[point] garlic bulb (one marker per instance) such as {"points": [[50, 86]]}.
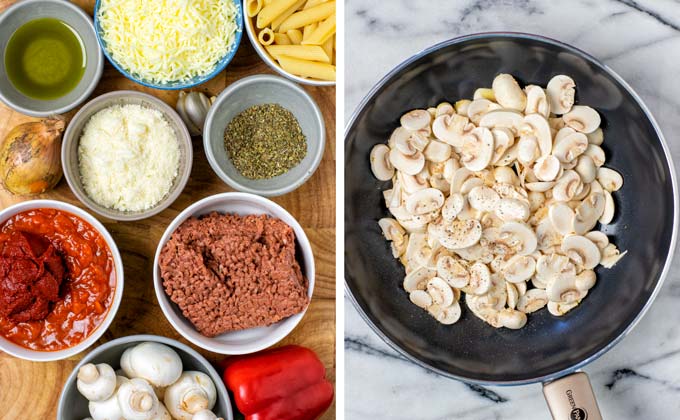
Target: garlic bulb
{"points": [[193, 108]]}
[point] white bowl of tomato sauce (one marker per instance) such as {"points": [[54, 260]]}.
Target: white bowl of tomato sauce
{"points": [[61, 280]]}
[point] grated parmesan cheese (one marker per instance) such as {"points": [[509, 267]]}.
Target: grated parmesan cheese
{"points": [[164, 41], [128, 157]]}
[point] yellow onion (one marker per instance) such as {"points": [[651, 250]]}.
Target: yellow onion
{"points": [[30, 157]]}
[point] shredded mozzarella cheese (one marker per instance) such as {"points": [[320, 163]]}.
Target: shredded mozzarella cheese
{"points": [[128, 157], [163, 41]]}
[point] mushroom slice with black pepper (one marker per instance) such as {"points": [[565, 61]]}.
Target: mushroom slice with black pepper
{"points": [[509, 209], [483, 198], [453, 205], [480, 279], [424, 201], [418, 278], [380, 163], [532, 301], [440, 291], [581, 250], [452, 271], [512, 319], [519, 268], [560, 91], [460, 234], [519, 237], [582, 118], [508, 93]]}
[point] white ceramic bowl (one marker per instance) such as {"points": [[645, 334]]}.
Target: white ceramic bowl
{"points": [[47, 356], [264, 55], [253, 339]]}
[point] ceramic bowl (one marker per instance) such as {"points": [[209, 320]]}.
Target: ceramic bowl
{"points": [[47, 356], [69, 151], [73, 406], [253, 339], [257, 90], [25, 11], [221, 65], [271, 62]]}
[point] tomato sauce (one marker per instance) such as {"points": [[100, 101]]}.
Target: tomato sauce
{"points": [[87, 290]]}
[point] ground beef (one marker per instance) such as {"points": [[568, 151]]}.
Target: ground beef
{"points": [[31, 273], [228, 273]]}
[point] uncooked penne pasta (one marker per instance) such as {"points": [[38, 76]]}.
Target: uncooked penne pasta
{"points": [[328, 46], [253, 7], [281, 39], [272, 11], [267, 2], [306, 68], [266, 36], [307, 16], [283, 16], [303, 52], [295, 36], [312, 3], [307, 30], [323, 32]]}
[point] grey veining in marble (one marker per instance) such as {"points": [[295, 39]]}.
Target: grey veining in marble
{"points": [[640, 40]]}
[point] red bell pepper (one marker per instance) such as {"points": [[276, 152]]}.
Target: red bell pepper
{"points": [[286, 383]]}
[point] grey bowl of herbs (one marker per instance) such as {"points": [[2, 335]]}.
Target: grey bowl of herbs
{"points": [[51, 61], [264, 135]]}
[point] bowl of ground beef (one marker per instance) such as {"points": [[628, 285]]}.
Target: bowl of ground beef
{"points": [[234, 273]]}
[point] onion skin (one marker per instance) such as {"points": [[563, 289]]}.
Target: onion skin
{"points": [[30, 161]]}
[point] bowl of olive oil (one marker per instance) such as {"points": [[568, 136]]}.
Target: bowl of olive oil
{"points": [[51, 59]]}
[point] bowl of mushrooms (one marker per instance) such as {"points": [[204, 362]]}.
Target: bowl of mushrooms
{"points": [[144, 377]]}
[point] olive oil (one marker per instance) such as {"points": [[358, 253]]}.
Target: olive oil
{"points": [[45, 59]]}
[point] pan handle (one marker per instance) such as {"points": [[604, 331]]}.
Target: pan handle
{"points": [[572, 398]]}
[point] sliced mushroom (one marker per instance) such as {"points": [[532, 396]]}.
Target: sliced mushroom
{"points": [[418, 278], [586, 169], [539, 186], [608, 212], [462, 106], [437, 151], [519, 268], [582, 251], [582, 118], [547, 168], [420, 298], [567, 186], [380, 163], [512, 319], [513, 294], [559, 309], [412, 183], [508, 93], [537, 126], [424, 201], [548, 267], [527, 149], [449, 315], [440, 292], [508, 157], [611, 255], [484, 93], [596, 137], [562, 218], [588, 211], [477, 149], [483, 199], [536, 200], [509, 209], [519, 237], [560, 91], [410, 165], [391, 229], [609, 179], [470, 184], [399, 135], [453, 205], [596, 154], [563, 289], [585, 280], [569, 144], [532, 301], [477, 108], [537, 101], [502, 118], [450, 128], [480, 279], [444, 108], [505, 175], [416, 120], [599, 238], [452, 271], [461, 234]]}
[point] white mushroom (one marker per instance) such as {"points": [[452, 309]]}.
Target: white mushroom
{"points": [[206, 415], [484, 93], [444, 108], [391, 229], [194, 391], [157, 363], [537, 126], [418, 278], [536, 200], [519, 268], [562, 217], [452, 271], [509, 209], [588, 212], [596, 154], [411, 183], [483, 198], [459, 177], [596, 137], [477, 149], [563, 289], [424, 201], [585, 280], [586, 169], [447, 316], [415, 120], [451, 128], [471, 183], [440, 292], [548, 267], [419, 140], [453, 205], [108, 409], [137, 400], [608, 212], [505, 175], [567, 186], [598, 238], [611, 255], [519, 237], [477, 108], [508, 93], [547, 168], [559, 309], [96, 382], [503, 118], [409, 164], [532, 301], [513, 294], [537, 101], [582, 118], [508, 157], [420, 298], [560, 90], [380, 163], [461, 234], [582, 251], [569, 144], [480, 279], [512, 319], [437, 151], [528, 150], [609, 179], [461, 106]]}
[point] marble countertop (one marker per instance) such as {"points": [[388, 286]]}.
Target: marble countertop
{"points": [[640, 40]]}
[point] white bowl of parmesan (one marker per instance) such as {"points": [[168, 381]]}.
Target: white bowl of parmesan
{"points": [[126, 155]]}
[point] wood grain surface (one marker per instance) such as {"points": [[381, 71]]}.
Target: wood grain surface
{"points": [[30, 390]]}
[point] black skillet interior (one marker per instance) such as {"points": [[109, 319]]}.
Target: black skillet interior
{"points": [[547, 346]]}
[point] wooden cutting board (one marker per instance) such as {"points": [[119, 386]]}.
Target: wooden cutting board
{"points": [[31, 389]]}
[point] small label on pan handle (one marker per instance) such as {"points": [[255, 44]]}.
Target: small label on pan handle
{"points": [[572, 398]]}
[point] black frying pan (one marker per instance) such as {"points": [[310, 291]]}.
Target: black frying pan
{"points": [[548, 347]]}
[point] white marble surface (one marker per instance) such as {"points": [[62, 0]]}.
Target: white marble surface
{"points": [[640, 39]]}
